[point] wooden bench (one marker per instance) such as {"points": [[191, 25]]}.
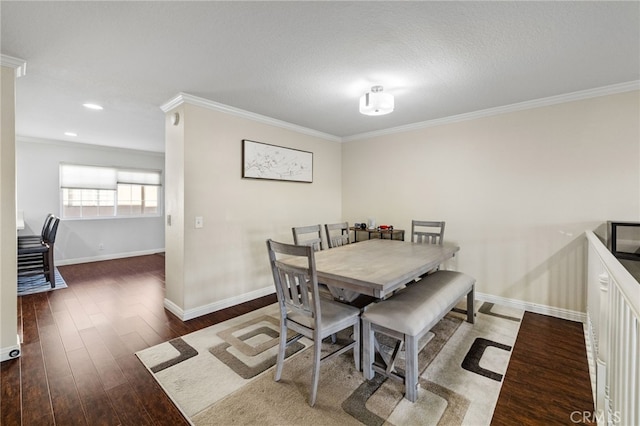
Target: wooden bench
{"points": [[407, 316]]}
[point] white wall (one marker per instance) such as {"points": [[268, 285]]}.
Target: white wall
{"points": [[79, 240], [226, 261], [517, 191]]}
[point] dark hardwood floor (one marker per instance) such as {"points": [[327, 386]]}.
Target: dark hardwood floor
{"points": [[547, 380], [78, 364]]}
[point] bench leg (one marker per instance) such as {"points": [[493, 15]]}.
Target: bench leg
{"points": [[471, 313], [357, 336], [368, 351], [411, 368]]}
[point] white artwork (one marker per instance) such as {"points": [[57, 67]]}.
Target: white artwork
{"points": [[264, 161]]}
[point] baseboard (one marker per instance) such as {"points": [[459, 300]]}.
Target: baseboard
{"points": [[236, 300], [107, 257], [11, 352], [216, 306], [534, 307]]}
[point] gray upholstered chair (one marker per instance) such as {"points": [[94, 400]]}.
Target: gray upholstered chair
{"points": [[308, 236], [305, 312], [429, 232], [337, 234]]}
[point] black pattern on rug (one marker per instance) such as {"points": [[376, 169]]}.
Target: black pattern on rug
{"points": [[471, 361], [245, 371], [185, 352]]}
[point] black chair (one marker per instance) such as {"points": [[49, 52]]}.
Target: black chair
{"points": [[35, 256], [22, 239]]}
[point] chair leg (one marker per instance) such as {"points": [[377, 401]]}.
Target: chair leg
{"points": [[51, 268], [471, 313], [282, 346], [317, 348], [367, 350], [411, 367]]}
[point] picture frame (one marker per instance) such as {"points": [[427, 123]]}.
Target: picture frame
{"points": [[271, 162]]}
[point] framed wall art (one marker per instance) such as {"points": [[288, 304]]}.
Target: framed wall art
{"points": [[272, 162]]}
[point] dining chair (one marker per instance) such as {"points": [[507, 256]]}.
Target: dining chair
{"points": [[37, 238], [36, 256], [337, 234], [306, 313], [309, 236], [429, 232]]}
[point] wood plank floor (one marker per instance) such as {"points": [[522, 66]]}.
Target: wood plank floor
{"points": [[78, 365]]}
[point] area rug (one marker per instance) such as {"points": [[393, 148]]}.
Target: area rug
{"points": [[224, 375], [38, 284]]}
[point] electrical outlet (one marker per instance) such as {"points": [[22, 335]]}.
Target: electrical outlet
{"points": [[100, 246], [199, 222]]}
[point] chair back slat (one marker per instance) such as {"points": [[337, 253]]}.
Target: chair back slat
{"points": [[337, 234], [296, 286], [52, 231], [45, 225], [296, 292], [308, 236], [434, 234], [427, 237]]}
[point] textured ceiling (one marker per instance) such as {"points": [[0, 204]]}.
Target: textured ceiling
{"points": [[305, 63]]}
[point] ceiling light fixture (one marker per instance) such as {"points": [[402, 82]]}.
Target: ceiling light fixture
{"points": [[74, 134], [92, 106], [376, 102]]}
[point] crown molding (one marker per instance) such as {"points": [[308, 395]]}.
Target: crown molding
{"points": [[183, 98], [536, 103], [85, 145], [20, 65], [613, 89]]}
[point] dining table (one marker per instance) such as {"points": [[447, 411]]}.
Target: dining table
{"points": [[376, 267]]}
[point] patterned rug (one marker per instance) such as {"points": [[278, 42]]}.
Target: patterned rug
{"points": [[224, 374], [38, 284]]}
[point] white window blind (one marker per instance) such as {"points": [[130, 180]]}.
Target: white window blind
{"points": [[101, 192], [75, 176], [139, 177]]}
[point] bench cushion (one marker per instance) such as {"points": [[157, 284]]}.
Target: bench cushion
{"points": [[419, 305]]}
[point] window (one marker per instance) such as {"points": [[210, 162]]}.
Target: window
{"points": [[98, 192]]}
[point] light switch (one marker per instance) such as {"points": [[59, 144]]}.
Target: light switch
{"points": [[199, 222]]}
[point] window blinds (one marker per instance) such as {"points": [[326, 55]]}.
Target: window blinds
{"points": [[74, 176]]}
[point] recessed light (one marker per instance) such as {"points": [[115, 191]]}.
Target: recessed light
{"points": [[74, 134], [92, 106]]}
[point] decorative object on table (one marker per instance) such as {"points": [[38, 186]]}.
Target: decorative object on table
{"points": [[371, 223], [271, 162], [450, 393]]}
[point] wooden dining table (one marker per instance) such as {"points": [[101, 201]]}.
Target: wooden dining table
{"points": [[376, 267]]}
